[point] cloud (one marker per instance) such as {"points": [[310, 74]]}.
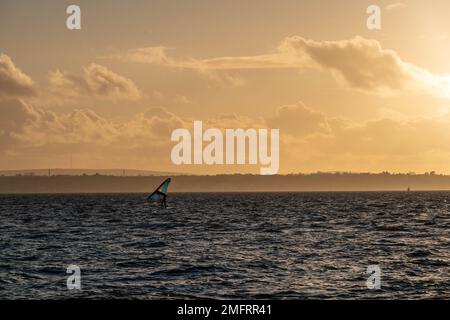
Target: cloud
{"points": [[15, 114], [383, 136], [395, 6], [233, 121], [358, 63], [150, 55], [104, 82], [159, 56], [31, 135], [216, 72], [310, 140], [21, 125], [181, 99], [399, 145], [389, 137], [221, 78], [160, 122], [97, 81], [299, 120], [28, 132], [13, 82]]}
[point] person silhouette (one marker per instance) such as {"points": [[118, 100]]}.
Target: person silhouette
{"points": [[161, 193]]}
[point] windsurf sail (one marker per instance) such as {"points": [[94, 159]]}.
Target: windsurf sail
{"points": [[160, 193]]}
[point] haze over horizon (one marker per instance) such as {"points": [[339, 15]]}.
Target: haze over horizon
{"points": [[345, 98], [137, 172]]}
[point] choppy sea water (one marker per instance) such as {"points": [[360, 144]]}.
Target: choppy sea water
{"points": [[239, 246]]}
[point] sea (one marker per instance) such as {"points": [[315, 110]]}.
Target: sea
{"points": [[352, 245]]}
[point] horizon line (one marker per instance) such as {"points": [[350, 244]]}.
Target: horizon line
{"points": [[175, 173]]}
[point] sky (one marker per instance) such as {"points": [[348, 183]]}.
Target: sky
{"points": [[345, 98]]}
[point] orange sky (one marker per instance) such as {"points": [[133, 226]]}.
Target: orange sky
{"points": [[109, 95]]}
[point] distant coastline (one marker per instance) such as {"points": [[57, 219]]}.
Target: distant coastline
{"points": [[80, 172], [101, 183]]}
